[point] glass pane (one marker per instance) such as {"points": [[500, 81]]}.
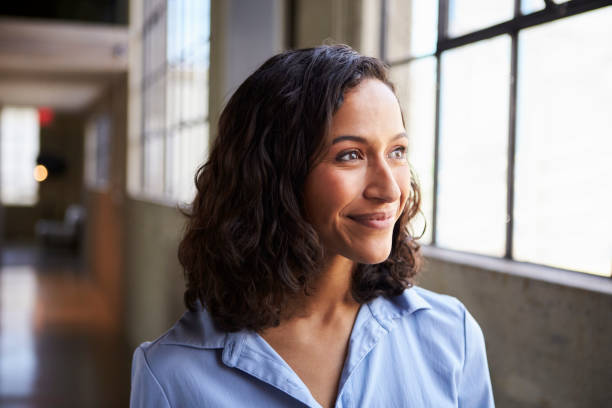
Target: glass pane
{"points": [[416, 89], [473, 147], [412, 28], [19, 147], [193, 144], [563, 190], [531, 6], [465, 16]]}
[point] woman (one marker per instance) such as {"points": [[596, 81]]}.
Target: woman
{"points": [[299, 263]]}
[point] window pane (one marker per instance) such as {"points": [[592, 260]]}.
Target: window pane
{"points": [[19, 148], [465, 16], [416, 88], [193, 145], [563, 204], [531, 6], [473, 147], [412, 28]]}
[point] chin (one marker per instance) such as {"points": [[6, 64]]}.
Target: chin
{"points": [[372, 256]]}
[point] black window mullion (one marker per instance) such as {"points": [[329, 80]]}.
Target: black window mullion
{"points": [[512, 137], [442, 21], [511, 146], [436, 153], [519, 22], [442, 34]]}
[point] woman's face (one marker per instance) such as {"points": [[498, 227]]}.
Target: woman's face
{"points": [[358, 189]]}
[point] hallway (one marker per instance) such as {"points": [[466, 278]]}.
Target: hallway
{"points": [[57, 343]]}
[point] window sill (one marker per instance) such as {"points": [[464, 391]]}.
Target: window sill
{"points": [[556, 276]]}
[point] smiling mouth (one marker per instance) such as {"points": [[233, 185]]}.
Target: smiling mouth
{"points": [[376, 220]]}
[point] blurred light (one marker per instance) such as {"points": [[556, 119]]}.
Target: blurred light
{"points": [[40, 173], [45, 116]]}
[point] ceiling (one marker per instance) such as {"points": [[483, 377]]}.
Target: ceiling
{"points": [[60, 65]]}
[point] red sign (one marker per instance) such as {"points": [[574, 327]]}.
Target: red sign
{"points": [[45, 116]]}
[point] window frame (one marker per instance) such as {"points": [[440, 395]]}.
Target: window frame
{"points": [[445, 42], [156, 73]]}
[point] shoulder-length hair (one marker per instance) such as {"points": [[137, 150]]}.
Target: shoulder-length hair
{"points": [[248, 250]]}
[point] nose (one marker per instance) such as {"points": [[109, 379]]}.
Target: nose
{"points": [[381, 183]]}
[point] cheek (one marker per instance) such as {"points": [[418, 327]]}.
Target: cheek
{"points": [[403, 178], [328, 193]]}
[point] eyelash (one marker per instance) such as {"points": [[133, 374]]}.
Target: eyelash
{"points": [[340, 157]]}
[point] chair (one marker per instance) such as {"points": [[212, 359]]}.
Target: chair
{"points": [[65, 233]]}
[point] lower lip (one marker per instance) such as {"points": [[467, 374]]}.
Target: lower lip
{"points": [[376, 224]]}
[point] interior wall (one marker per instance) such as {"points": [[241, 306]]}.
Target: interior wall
{"points": [[320, 22], [62, 138], [548, 345], [105, 208], [155, 284], [244, 34]]}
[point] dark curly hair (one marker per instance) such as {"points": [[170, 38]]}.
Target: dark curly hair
{"points": [[248, 251]]}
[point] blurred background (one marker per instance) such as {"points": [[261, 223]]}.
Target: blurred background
{"points": [[108, 107]]}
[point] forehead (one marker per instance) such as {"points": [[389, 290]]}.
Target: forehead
{"points": [[370, 108]]}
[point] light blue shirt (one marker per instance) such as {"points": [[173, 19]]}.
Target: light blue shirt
{"points": [[419, 349]]}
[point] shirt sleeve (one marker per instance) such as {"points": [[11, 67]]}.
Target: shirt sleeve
{"points": [[146, 390], [475, 386]]}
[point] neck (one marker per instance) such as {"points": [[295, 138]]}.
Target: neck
{"points": [[332, 290]]}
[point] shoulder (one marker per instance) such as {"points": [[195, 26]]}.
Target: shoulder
{"points": [[192, 338], [438, 301], [425, 305], [193, 331], [440, 320], [449, 310], [452, 342], [178, 362]]}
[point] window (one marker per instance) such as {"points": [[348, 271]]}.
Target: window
{"points": [[19, 145], [97, 152], [171, 98], [507, 106]]}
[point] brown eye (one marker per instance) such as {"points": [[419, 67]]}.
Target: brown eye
{"points": [[398, 153], [348, 156]]}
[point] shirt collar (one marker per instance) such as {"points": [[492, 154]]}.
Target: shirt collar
{"points": [[387, 310], [196, 329]]}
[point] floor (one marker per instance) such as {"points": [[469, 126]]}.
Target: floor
{"points": [[58, 347]]}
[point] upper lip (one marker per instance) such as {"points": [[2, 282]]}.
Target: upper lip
{"points": [[376, 215]]}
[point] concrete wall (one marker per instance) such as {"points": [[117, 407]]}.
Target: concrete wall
{"points": [[327, 22], [244, 34], [548, 344], [154, 280]]}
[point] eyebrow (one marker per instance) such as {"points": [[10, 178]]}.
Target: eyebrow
{"points": [[360, 139]]}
